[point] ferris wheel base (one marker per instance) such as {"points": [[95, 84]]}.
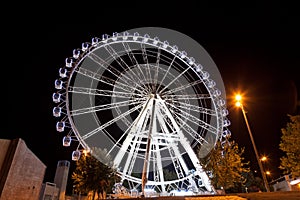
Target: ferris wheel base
{"points": [[198, 184]]}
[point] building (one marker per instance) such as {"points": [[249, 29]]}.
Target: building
{"points": [[49, 191], [61, 177], [286, 183], [21, 172], [57, 190]]}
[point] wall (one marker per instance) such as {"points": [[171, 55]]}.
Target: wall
{"points": [[22, 172]]}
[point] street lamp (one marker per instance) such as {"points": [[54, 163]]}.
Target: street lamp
{"points": [[239, 104], [264, 158], [267, 172]]}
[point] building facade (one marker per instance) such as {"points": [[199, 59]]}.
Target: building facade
{"points": [[286, 183], [21, 171], [61, 177]]}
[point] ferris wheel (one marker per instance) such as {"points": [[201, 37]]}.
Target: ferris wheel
{"points": [[154, 109]]}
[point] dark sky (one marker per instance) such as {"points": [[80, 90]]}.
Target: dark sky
{"points": [[255, 47]]}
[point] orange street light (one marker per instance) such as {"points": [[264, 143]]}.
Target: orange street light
{"points": [[238, 97], [264, 158], [239, 104]]}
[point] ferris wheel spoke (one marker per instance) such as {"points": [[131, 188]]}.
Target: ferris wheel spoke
{"points": [[173, 109], [184, 126], [135, 62], [117, 143], [183, 114], [171, 82], [91, 133], [103, 79], [156, 71], [145, 58], [122, 63], [193, 119], [166, 73], [182, 87], [187, 96], [192, 107], [105, 107], [194, 134], [107, 67], [99, 92]]}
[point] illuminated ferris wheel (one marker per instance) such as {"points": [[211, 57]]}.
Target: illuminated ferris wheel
{"points": [[147, 103]]}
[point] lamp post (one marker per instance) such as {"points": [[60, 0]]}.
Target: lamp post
{"points": [[240, 105]]}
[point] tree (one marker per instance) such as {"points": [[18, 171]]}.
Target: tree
{"points": [[91, 175], [289, 144], [253, 183], [225, 165], [169, 175]]}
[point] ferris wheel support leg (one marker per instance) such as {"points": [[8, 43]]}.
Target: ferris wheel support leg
{"points": [[135, 128], [160, 168], [157, 163], [187, 147], [130, 156], [146, 161]]}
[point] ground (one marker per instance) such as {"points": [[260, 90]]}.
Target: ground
{"points": [[295, 195]]}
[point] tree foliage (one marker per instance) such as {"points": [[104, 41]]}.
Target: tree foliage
{"points": [[91, 175], [169, 175], [253, 183], [225, 165], [290, 145]]}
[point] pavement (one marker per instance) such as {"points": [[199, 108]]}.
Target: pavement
{"points": [[289, 195]]}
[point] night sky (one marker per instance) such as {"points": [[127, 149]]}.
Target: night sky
{"points": [[256, 49]]}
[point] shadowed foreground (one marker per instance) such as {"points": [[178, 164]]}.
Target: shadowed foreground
{"points": [[292, 195]]}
